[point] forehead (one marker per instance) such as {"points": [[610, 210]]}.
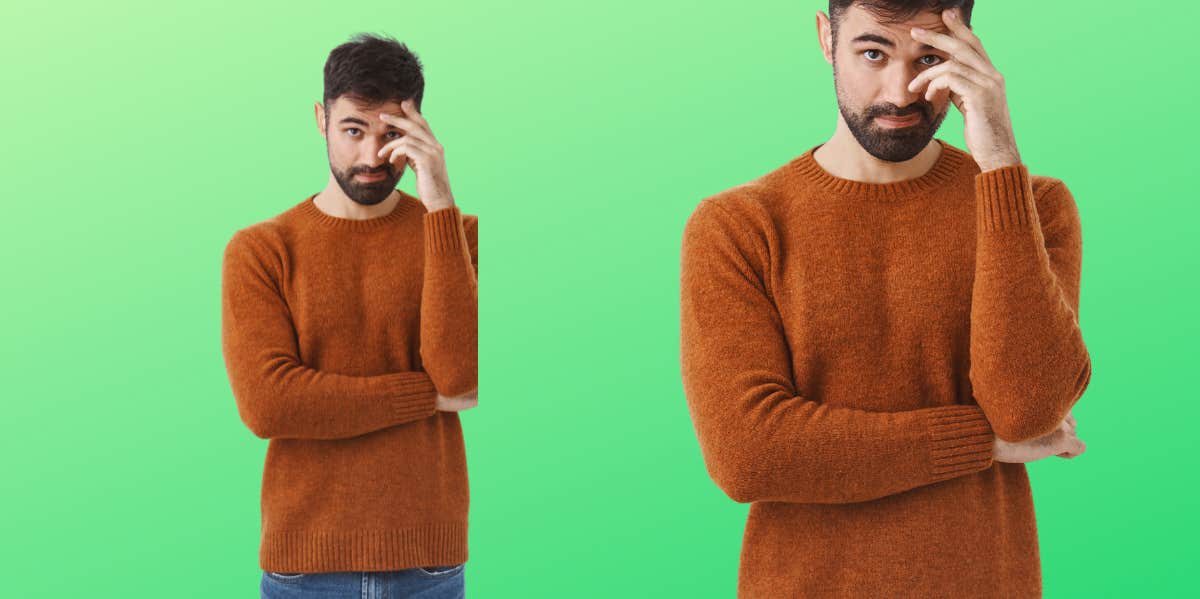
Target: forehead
{"points": [[860, 23], [343, 107]]}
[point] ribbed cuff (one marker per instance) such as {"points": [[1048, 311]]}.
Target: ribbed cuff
{"points": [[444, 233], [415, 396], [1004, 198], [961, 440]]}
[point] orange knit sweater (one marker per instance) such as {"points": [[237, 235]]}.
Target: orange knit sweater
{"points": [[337, 336], [850, 350]]}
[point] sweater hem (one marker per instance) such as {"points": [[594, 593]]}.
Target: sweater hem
{"points": [[312, 551]]}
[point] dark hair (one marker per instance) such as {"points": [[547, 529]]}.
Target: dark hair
{"points": [[372, 70], [895, 11]]}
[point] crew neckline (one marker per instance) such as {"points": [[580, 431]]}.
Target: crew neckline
{"points": [[308, 208], [948, 162]]}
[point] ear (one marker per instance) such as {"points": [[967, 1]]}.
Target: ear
{"points": [[319, 110], [825, 36]]}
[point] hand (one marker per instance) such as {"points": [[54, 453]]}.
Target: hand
{"points": [[458, 403], [977, 90], [1070, 422], [1062, 442], [419, 149]]}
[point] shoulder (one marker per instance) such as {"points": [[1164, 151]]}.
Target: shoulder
{"points": [[1054, 201], [259, 244], [736, 224], [1045, 184], [471, 228], [746, 208], [470, 222]]}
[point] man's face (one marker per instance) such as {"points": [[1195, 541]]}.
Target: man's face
{"points": [[873, 64], [354, 135]]}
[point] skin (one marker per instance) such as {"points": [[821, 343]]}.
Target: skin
{"points": [[459, 403], [932, 61], [383, 138]]}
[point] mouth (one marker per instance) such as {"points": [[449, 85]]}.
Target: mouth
{"points": [[897, 122], [372, 177]]}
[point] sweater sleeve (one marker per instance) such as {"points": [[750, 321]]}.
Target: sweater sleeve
{"points": [[1029, 364], [763, 441], [278, 396], [449, 301]]}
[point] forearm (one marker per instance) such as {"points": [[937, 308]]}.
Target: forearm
{"points": [[780, 447], [282, 399], [449, 305], [1029, 363]]}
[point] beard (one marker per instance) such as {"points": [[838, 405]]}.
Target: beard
{"points": [[367, 193], [885, 143]]}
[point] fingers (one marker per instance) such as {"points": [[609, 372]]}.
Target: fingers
{"points": [[955, 46], [953, 20], [410, 110], [1069, 445], [945, 67], [460, 403], [409, 126], [456, 404], [950, 81], [415, 152], [1070, 421]]}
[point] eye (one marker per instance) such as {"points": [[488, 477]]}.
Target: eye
{"points": [[871, 50], [352, 129], [398, 134], [939, 59]]}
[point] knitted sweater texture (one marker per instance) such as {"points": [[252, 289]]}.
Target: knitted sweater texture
{"points": [[851, 350], [337, 335]]}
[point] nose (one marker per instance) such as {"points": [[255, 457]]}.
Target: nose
{"points": [[370, 157], [895, 88]]}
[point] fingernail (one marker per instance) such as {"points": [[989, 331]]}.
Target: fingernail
{"points": [[918, 30]]}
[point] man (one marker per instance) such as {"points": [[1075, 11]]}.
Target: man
{"points": [[349, 337], [879, 334]]}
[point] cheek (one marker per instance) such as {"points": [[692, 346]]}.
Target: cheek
{"points": [[346, 150], [856, 81], [857, 94]]}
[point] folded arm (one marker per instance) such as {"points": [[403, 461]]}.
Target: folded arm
{"points": [[763, 441], [1029, 364], [279, 397]]}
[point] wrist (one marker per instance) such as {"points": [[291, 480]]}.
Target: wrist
{"points": [[434, 206], [991, 164]]}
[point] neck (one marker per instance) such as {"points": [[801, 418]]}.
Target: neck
{"points": [[334, 202], [843, 157]]}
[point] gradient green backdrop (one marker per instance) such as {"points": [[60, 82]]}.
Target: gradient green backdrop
{"points": [[140, 135]]}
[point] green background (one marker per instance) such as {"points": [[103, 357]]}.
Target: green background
{"points": [[140, 135]]}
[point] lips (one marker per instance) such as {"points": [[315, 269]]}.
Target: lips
{"points": [[911, 119], [371, 177]]}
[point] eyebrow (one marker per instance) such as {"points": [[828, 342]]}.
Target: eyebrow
{"points": [[883, 41], [351, 119]]}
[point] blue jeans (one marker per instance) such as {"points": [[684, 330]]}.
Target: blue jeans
{"points": [[430, 582]]}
